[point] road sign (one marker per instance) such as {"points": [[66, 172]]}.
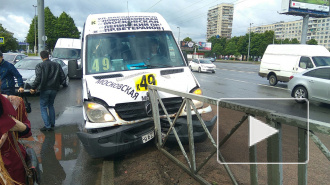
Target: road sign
{"points": [[44, 38], [2, 40]]}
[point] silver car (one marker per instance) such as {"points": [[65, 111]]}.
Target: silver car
{"points": [[313, 84], [26, 67], [13, 57]]}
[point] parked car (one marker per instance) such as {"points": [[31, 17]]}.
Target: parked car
{"points": [[202, 65], [13, 57], [26, 68], [313, 84]]}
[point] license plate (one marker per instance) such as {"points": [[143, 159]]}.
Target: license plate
{"points": [[148, 137]]}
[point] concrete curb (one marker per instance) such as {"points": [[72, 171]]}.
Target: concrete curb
{"points": [[108, 173]]}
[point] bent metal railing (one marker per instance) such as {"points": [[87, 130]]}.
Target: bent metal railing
{"points": [[274, 152]]}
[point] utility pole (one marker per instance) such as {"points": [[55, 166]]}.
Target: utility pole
{"points": [[41, 25], [35, 29], [249, 43], [304, 29], [179, 37]]}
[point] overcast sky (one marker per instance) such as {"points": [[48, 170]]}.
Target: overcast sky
{"points": [[190, 15]]}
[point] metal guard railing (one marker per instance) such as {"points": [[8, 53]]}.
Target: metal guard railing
{"points": [[274, 171]]}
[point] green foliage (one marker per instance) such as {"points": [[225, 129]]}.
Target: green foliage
{"points": [[295, 41], [30, 36], [286, 41], [61, 27], [66, 28], [231, 47], [312, 42], [49, 29], [11, 43], [239, 45], [218, 45], [187, 39]]}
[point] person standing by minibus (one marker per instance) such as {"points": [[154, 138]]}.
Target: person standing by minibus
{"points": [[49, 77]]}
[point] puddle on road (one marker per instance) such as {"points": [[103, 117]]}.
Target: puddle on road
{"points": [[58, 150]]}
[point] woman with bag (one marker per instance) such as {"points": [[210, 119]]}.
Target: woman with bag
{"points": [[13, 117]]}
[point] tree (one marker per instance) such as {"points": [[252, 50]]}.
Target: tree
{"points": [[10, 42], [242, 44], [286, 41], [50, 21], [62, 27], [30, 36], [218, 45], [187, 39], [66, 28], [231, 46], [312, 42], [295, 41]]}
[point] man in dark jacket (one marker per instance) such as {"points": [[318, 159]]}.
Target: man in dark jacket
{"points": [[8, 73], [49, 77]]}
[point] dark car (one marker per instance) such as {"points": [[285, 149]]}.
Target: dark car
{"points": [[13, 57], [210, 58], [26, 68]]}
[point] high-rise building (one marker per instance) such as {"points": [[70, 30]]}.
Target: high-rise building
{"points": [[220, 20], [318, 29]]}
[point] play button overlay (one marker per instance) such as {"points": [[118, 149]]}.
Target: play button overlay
{"points": [[262, 131], [259, 131]]}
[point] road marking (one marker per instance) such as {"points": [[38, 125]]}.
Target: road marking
{"points": [[246, 81], [237, 71], [253, 83]]}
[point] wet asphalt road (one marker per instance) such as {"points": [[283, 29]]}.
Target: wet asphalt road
{"points": [[60, 152], [63, 159], [235, 80]]}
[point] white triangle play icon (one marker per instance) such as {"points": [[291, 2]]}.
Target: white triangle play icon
{"points": [[259, 131]]}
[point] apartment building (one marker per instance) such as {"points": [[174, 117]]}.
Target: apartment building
{"points": [[318, 29], [220, 20]]}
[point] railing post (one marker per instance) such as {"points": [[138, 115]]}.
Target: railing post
{"points": [[253, 167], [191, 137], [302, 156], [155, 114], [274, 155]]}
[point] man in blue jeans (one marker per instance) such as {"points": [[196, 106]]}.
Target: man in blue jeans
{"points": [[49, 77]]}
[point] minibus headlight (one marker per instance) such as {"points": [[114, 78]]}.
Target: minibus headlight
{"points": [[97, 113]]}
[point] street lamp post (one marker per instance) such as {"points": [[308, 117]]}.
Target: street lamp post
{"points": [[179, 37], [35, 32], [249, 43]]}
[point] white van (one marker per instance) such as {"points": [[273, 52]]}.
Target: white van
{"points": [[69, 49], [280, 61], [122, 54]]}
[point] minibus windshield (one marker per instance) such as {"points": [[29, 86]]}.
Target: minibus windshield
{"points": [[112, 52], [66, 53]]}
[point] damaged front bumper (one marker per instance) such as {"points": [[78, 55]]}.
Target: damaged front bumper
{"points": [[112, 141]]}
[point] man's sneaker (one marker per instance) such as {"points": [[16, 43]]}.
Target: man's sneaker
{"points": [[46, 129]]}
